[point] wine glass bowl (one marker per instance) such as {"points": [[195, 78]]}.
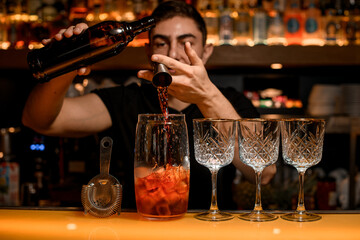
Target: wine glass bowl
{"points": [[259, 141], [302, 147], [214, 143]]}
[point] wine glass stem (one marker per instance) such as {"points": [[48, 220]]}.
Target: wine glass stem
{"points": [[301, 206], [258, 206], [214, 207]]}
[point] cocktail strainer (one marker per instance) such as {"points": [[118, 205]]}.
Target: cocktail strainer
{"points": [[103, 194]]}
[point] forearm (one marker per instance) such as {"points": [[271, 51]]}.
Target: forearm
{"points": [[45, 101], [216, 105]]}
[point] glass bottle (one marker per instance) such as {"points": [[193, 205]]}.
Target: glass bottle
{"points": [[276, 29], [37, 28], [312, 34], [112, 9], [260, 25], [4, 44], [226, 27], [356, 15], [94, 44], [294, 24], [211, 16], [9, 167], [243, 24], [352, 28], [13, 22], [95, 12], [339, 8], [78, 11], [331, 27]]}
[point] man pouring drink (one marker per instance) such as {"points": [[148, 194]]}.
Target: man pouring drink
{"points": [[179, 42]]}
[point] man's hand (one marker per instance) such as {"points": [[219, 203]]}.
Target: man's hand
{"points": [[190, 82], [70, 31]]}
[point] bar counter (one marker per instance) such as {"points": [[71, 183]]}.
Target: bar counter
{"points": [[73, 224]]}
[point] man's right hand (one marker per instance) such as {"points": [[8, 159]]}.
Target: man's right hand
{"points": [[70, 31]]}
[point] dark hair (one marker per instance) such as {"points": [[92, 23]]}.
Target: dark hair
{"points": [[170, 9]]}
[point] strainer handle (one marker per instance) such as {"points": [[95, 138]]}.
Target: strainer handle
{"points": [[105, 154]]}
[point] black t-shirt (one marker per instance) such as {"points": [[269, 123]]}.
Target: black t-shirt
{"points": [[125, 103]]}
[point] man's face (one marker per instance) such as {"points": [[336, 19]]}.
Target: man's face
{"points": [[169, 37]]}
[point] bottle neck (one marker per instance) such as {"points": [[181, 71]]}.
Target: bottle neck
{"points": [[142, 25]]}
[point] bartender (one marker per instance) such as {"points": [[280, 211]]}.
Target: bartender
{"points": [[178, 41]]}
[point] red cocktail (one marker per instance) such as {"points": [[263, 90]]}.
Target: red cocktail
{"points": [[162, 192]]}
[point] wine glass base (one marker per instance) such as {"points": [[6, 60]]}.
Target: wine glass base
{"points": [[214, 216], [301, 217], [258, 216]]}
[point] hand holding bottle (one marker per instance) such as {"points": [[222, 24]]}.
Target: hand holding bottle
{"points": [[83, 46], [69, 32]]}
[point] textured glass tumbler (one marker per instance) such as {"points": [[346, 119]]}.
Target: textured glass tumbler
{"points": [[302, 147]]}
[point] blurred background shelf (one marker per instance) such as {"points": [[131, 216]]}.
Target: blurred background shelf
{"points": [[314, 58]]}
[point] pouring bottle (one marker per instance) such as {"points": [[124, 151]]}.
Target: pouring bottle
{"points": [[96, 43]]}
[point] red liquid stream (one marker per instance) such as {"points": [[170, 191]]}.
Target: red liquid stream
{"points": [[163, 100]]}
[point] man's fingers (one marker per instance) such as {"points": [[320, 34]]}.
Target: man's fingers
{"points": [[59, 35], [69, 32], [193, 57], [173, 65], [145, 74]]}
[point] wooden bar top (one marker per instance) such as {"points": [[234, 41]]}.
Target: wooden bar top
{"points": [[65, 224]]}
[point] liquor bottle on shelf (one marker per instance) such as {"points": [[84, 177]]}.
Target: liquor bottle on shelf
{"points": [[332, 27], [140, 11], [61, 21], [94, 44], [53, 16], [9, 167], [276, 28], [243, 24], [36, 26], [96, 12], [352, 31], [15, 25], [128, 12], [313, 34], [112, 8], [211, 16], [356, 15], [4, 44], [260, 20], [226, 25], [78, 12], [294, 23], [340, 17]]}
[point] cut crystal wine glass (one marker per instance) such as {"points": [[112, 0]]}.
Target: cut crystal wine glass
{"points": [[214, 142], [259, 141], [302, 147]]}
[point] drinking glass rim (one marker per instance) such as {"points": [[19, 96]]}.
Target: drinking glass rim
{"points": [[258, 120], [160, 114], [304, 119], [154, 118], [213, 120]]}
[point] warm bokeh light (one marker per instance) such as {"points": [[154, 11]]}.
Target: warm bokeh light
{"points": [[276, 66]]}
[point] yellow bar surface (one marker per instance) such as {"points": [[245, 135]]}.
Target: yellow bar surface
{"points": [[59, 224]]}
